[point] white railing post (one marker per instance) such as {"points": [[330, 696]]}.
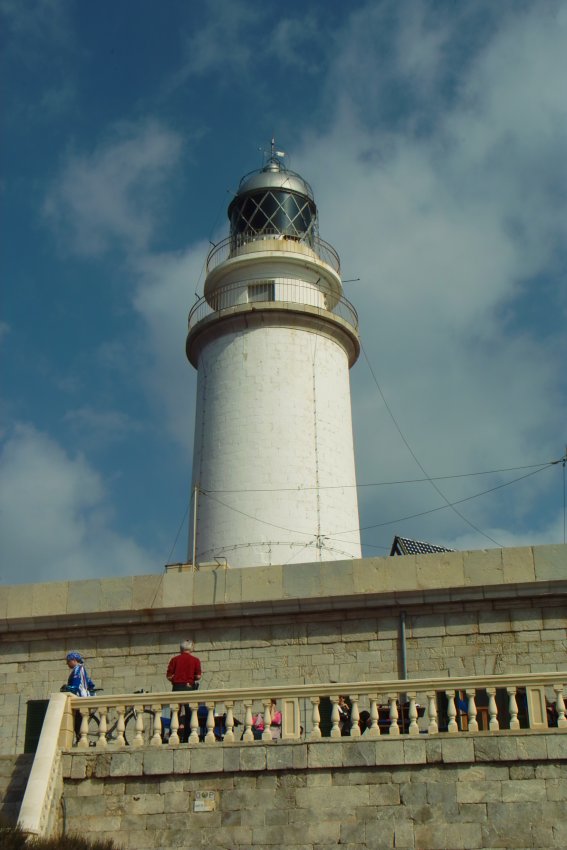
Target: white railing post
{"points": [[373, 730], [452, 726], [412, 713], [513, 708], [433, 727], [248, 733], [354, 716], [156, 739], [102, 743], [471, 709], [210, 736], [493, 723], [316, 719], [83, 742], [139, 726], [193, 723], [174, 725], [229, 723], [267, 704], [120, 726], [335, 718], [394, 714], [560, 706]]}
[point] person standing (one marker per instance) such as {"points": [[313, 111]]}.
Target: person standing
{"points": [[79, 683], [184, 673]]}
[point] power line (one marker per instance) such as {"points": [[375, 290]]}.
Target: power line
{"points": [[413, 454], [301, 488]]}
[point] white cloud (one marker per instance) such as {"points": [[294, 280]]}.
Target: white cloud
{"points": [[113, 195], [447, 228], [54, 516]]}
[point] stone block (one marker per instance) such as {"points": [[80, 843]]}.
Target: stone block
{"points": [[231, 758], [253, 757], [177, 801], [302, 581], [116, 594], [127, 764], [389, 752], [404, 835], [261, 584], [523, 791], [279, 758], [550, 562], [299, 757], [384, 795], [158, 761], [442, 569], [360, 752], [177, 588], [49, 599], [147, 592], [557, 746], [532, 747], [483, 791], [337, 579], [433, 750], [457, 836], [483, 567], [84, 597], [459, 750], [518, 565], [414, 751], [19, 601], [206, 758]]}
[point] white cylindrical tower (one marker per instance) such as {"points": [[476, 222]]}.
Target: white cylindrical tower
{"points": [[273, 340]]}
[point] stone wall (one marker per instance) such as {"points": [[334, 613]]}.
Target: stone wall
{"points": [[505, 791], [14, 772], [472, 613]]}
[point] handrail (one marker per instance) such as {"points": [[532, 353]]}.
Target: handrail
{"points": [[288, 291], [414, 699], [233, 245]]}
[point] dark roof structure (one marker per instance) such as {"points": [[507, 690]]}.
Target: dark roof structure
{"points": [[405, 546]]}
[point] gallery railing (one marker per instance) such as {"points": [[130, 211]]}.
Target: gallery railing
{"points": [[310, 712], [240, 243]]}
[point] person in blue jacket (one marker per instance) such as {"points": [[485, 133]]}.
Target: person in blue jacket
{"points": [[78, 683]]}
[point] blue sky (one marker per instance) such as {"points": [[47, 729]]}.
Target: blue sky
{"points": [[434, 135]]}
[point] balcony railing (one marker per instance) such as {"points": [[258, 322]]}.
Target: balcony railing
{"points": [[232, 246], [259, 293], [402, 707]]}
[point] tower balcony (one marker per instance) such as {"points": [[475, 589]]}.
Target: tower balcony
{"points": [[243, 243], [307, 302]]}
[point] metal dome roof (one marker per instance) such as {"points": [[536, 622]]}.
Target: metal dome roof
{"points": [[274, 175]]}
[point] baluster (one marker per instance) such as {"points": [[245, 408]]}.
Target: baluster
{"points": [[335, 718], [354, 716], [174, 725], [471, 709], [120, 727], [210, 736], [229, 723], [493, 724], [248, 733], [413, 728], [316, 730], [102, 743], [374, 729], [139, 736], [83, 742], [393, 701], [513, 708], [451, 712], [267, 734], [433, 727], [156, 740], [193, 723], [560, 706]]}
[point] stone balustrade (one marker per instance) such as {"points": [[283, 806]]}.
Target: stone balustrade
{"points": [[377, 708]]}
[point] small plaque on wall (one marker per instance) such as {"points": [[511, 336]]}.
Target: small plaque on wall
{"points": [[205, 801]]}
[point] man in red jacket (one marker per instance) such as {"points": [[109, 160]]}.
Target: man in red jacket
{"points": [[184, 673]]}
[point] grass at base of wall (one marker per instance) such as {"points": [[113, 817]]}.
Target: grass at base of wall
{"points": [[13, 838]]}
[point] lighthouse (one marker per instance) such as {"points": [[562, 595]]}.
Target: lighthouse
{"points": [[273, 340]]}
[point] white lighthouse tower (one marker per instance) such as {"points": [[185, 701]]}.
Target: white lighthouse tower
{"points": [[273, 340]]}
